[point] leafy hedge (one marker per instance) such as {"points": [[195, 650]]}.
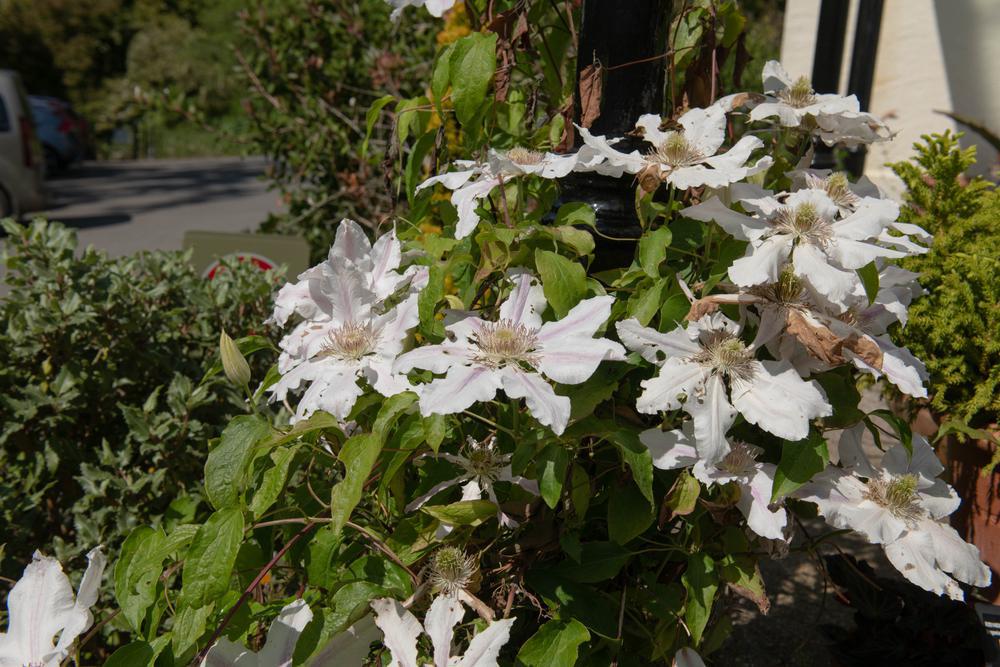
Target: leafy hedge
{"points": [[100, 364]]}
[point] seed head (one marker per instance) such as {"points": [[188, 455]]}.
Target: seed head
{"points": [[451, 570]]}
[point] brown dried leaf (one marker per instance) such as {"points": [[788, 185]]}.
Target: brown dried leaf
{"points": [[827, 346], [649, 178], [700, 308], [590, 88], [867, 350]]}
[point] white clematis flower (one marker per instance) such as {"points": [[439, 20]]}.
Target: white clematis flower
{"points": [[684, 158], [277, 650], [902, 505], [804, 229], [835, 119], [474, 181], [41, 606], [347, 333], [688, 657], [377, 265], [482, 467], [436, 8], [696, 364], [516, 353], [676, 449], [402, 629]]}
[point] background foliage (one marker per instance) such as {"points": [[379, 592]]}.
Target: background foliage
{"points": [[103, 420]]}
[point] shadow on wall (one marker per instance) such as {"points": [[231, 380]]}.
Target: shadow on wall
{"points": [[971, 49]]}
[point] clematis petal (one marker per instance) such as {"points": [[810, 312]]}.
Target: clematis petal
{"points": [[787, 117], [852, 454], [451, 180], [344, 292], [924, 462], [459, 389], [351, 244], [434, 358], [811, 264], [444, 614], [616, 163], [913, 555], [575, 358], [670, 449], [421, 500], [776, 399], [737, 224], [526, 301], [713, 415], [955, 555], [775, 77], [754, 503], [400, 629], [284, 634], [465, 200], [78, 619], [654, 346], [583, 319], [677, 379], [762, 263], [351, 647], [649, 123], [705, 129], [543, 403], [386, 256], [485, 646]]}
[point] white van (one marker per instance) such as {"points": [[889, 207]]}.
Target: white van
{"points": [[22, 165]]}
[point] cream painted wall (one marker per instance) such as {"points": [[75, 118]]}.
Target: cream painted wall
{"points": [[932, 54]]}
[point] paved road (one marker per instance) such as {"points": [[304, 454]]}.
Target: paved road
{"points": [[123, 207]]}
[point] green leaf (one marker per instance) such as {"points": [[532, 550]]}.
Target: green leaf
{"points": [[391, 409], [636, 456], [594, 608], [646, 301], [551, 466], [869, 279], [373, 113], [462, 513], [441, 76], [576, 213], [227, 463], [653, 250], [579, 240], [471, 66], [799, 462], [273, 481], [580, 491], [130, 655], [701, 582], [842, 393], [137, 573], [743, 576], [599, 561], [358, 455], [556, 644], [189, 625], [209, 561], [563, 280], [318, 421], [321, 569], [435, 427], [629, 514], [683, 497], [899, 425]]}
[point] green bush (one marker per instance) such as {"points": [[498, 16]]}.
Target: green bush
{"points": [[100, 364], [954, 327]]}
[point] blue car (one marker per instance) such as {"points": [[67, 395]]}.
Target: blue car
{"points": [[57, 132]]}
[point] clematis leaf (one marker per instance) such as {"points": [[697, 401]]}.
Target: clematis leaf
{"points": [[209, 560], [564, 281], [799, 462], [556, 644]]}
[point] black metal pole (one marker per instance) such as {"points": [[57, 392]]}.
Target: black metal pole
{"points": [[862, 75], [827, 59], [631, 33]]}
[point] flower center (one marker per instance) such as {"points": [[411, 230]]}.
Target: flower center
{"points": [[675, 151], [804, 223], [526, 156], [484, 461], [741, 458], [788, 291], [505, 342], [898, 495], [451, 570], [726, 354], [799, 95], [351, 341]]}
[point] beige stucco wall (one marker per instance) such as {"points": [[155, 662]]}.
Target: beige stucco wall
{"points": [[932, 55]]}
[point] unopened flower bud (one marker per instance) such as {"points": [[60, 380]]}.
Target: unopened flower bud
{"points": [[236, 367]]}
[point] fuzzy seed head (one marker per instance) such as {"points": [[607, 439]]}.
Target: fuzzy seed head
{"points": [[451, 571], [741, 458]]}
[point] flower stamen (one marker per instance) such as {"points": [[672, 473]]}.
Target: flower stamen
{"points": [[799, 94], [505, 342], [675, 151], [741, 458], [524, 156], [351, 341], [727, 355], [451, 570], [898, 495]]}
